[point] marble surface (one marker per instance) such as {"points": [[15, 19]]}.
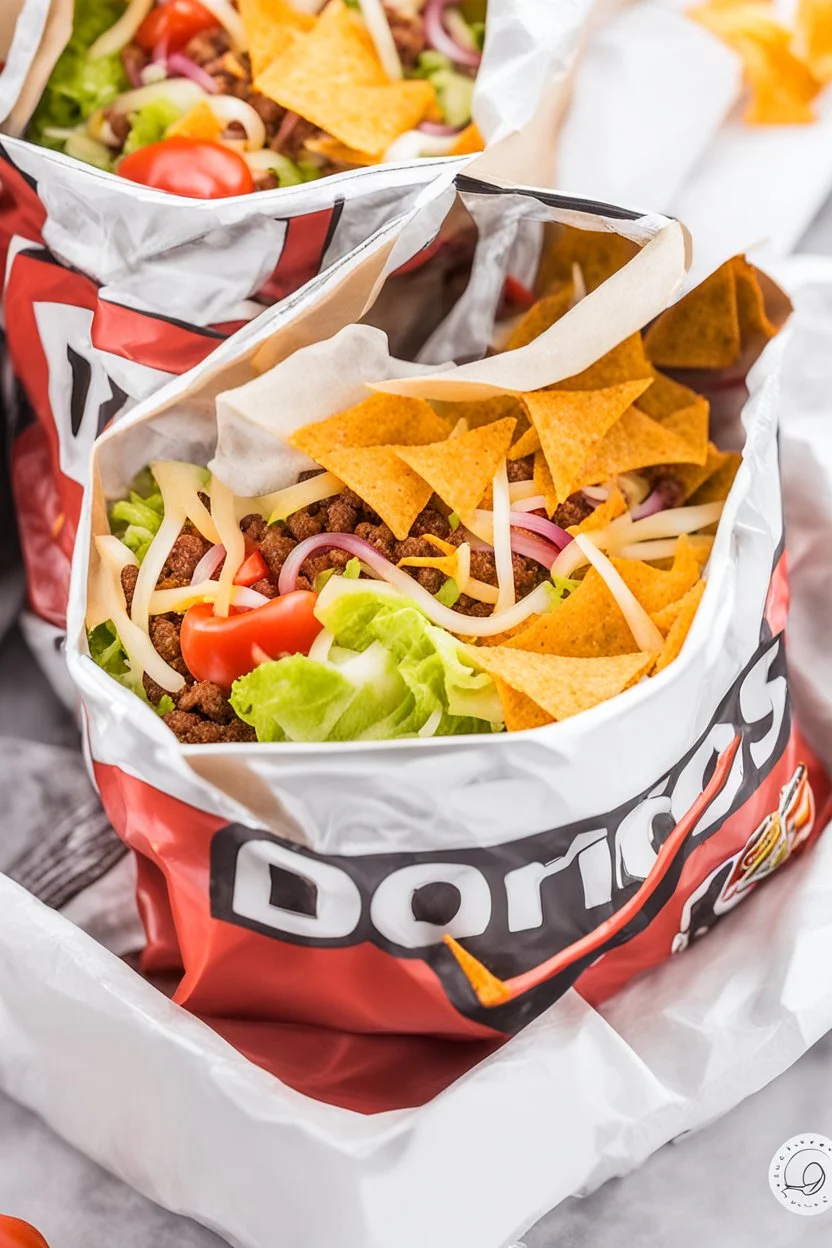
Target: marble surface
{"points": [[707, 1188]]}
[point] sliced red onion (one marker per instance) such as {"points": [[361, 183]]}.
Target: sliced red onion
{"points": [[439, 128], [534, 548], [248, 599], [208, 564], [160, 53], [438, 37], [182, 65], [287, 125], [538, 524], [653, 502], [288, 578]]}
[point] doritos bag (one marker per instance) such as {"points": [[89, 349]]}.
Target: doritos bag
{"points": [[368, 920]]}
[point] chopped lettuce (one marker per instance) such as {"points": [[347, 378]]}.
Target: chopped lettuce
{"points": [[448, 593], [389, 673], [78, 86], [107, 651], [454, 91], [292, 173], [564, 586], [135, 520], [150, 124]]}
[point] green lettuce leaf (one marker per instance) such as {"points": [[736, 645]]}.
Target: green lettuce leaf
{"points": [[389, 673], [135, 520], [150, 124], [107, 651], [78, 86]]}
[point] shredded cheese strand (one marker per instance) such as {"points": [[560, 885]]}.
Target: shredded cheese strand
{"points": [[646, 634], [231, 537], [178, 484], [664, 548], [501, 525], [141, 653], [286, 502]]}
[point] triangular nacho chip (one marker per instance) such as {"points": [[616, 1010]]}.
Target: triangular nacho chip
{"points": [[684, 611], [541, 316], [718, 485], [378, 420], [563, 686], [599, 253], [479, 412], [519, 711], [571, 424], [691, 425], [625, 362], [266, 23], [379, 477], [467, 142], [691, 476], [339, 153], [612, 507], [665, 396], [702, 330], [782, 87], [526, 444], [198, 123], [460, 469], [813, 38], [635, 441], [544, 483], [751, 305]]}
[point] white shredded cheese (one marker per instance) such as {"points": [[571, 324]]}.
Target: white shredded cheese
{"points": [[382, 36], [645, 632], [463, 567], [286, 502], [501, 525], [231, 537], [673, 522]]}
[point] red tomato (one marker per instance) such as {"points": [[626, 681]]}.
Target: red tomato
{"points": [[221, 648], [174, 25], [252, 570], [516, 294], [17, 1234], [191, 167]]}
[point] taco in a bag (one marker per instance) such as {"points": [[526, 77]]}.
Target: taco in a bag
{"points": [[436, 569], [225, 97]]}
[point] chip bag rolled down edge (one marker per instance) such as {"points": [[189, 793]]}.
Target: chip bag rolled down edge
{"points": [[542, 834]]}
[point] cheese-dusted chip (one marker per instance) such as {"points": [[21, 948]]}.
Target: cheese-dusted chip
{"points": [[339, 153], [544, 484], [635, 441], [625, 362], [526, 444], [718, 485], [519, 711], [612, 507], [467, 141], [702, 330], [813, 37], [478, 412], [377, 420], [563, 686], [665, 396], [598, 253], [691, 425], [269, 26], [683, 615], [572, 423], [691, 476], [378, 476], [751, 304], [333, 77], [460, 469], [541, 316], [198, 123]]}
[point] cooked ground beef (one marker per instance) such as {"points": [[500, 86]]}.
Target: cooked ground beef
{"points": [[209, 699], [185, 554], [576, 508], [670, 490], [194, 730], [129, 576], [408, 34], [521, 469]]}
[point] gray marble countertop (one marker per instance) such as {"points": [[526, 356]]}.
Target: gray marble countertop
{"points": [[708, 1188]]}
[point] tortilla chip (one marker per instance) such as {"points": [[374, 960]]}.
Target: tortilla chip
{"points": [[655, 588], [338, 152], [599, 253], [544, 483], [379, 419], [266, 24], [198, 123], [571, 425], [460, 470], [563, 686], [526, 444], [635, 441], [665, 397], [718, 485], [751, 305], [467, 142], [685, 610], [540, 317], [813, 37], [691, 425], [691, 476], [625, 362], [519, 711], [478, 412], [782, 87], [377, 475], [609, 510], [702, 330]]}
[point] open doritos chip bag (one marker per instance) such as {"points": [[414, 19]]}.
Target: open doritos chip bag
{"points": [[424, 692]]}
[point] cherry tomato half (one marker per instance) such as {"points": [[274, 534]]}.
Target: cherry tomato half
{"points": [[221, 648], [174, 25], [191, 167], [17, 1234], [251, 570]]}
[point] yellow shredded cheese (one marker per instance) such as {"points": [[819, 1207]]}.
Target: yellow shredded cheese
{"points": [[501, 526], [222, 509], [286, 502]]}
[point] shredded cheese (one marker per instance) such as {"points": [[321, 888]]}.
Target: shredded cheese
{"points": [[673, 522], [231, 537], [665, 548], [523, 489], [501, 525], [379, 30], [646, 634], [286, 502], [110, 604]]}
